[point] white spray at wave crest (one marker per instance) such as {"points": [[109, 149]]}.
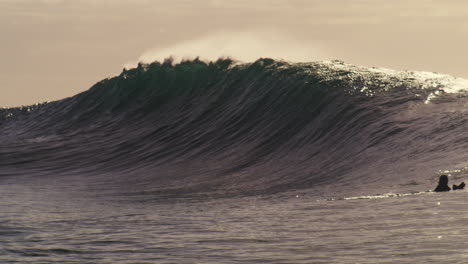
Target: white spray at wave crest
{"points": [[244, 46], [248, 46]]}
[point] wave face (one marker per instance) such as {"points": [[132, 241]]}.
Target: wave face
{"points": [[222, 128]]}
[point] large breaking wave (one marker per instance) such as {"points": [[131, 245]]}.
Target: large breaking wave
{"points": [[224, 128]]}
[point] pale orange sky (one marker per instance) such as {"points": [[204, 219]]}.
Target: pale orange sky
{"points": [[51, 49]]}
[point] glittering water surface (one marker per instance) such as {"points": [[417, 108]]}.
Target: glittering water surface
{"points": [[45, 222]]}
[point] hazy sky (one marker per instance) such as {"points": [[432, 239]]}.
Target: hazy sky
{"points": [[51, 49]]}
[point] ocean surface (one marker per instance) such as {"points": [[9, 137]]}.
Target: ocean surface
{"points": [[227, 162]]}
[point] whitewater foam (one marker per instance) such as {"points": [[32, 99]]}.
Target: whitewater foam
{"points": [[424, 80]]}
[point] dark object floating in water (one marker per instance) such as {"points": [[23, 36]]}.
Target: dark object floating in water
{"points": [[443, 185], [461, 186]]}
